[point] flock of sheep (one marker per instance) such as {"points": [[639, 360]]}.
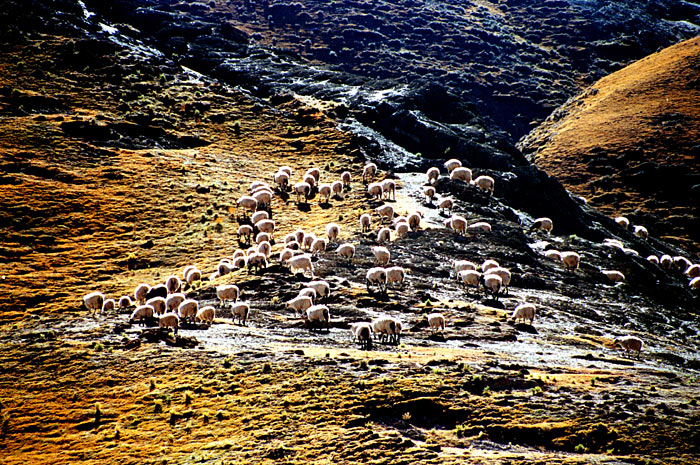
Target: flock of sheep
{"points": [[168, 303]]}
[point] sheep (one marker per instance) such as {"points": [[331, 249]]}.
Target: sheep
{"points": [[345, 178], [376, 275], [614, 276], [385, 211], [553, 254], [213, 276], [470, 278], [286, 254], [492, 283], [240, 262], [322, 288], [245, 233], [386, 328], [543, 223], [301, 262], [524, 311], [383, 235], [224, 267], [315, 172], [186, 270], [480, 226], [445, 204], [622, 222], [318, 245], [140, 293], [247, 203], [414, 221], [485, 183], [452, 164], [681, 263], [94, 301], [267, 226], [332, 231], [337, 189], [461, 265], [362, 333], [436, 321], [365, 222], [257, 260], [308, 240], [108, 305], [255, 185], [641, 231], [206, 315], [433, 174], [693, 271], [310, 180], [264, 248], [346, 250], [169, 320], [125, 302], [489, 264], [302, 188], [571, 260], [188, 309], [300, 303], [158, 303], [369, 171], [193, 275], [173, 284], [324, 192], [395, 274], [281, 178], [389, 189], [241, 311], [381, 255], [616, 243], [505, 275], [159, 290], [458, 224], [653, 259], [286, 169], [694, 283], [461, 174], [666, 261], [402, 229], [227, 292], [429, 192], [375, 190], [259, 216], [629, 343], [263, 237], [174, 300], [308, 292], [143, 313], [319, 314]]}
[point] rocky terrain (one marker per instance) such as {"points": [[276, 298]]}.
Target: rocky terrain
{"points": [[121, 166]]}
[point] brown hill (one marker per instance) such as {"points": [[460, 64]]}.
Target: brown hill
{"points": [[630, 143]]}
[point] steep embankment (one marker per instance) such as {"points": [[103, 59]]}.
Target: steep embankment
{"points": [[629, 144]]}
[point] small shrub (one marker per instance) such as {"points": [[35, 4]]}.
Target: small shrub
{"points": [[406, 416], [536, 391], [188, 398], [152, 385], [205, 417], [363, 365], [96, 346], [157, 406], [267, 368], [98, 412], [486, 391], [220, 415], [227, 363]]}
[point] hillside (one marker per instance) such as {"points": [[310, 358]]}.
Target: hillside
{"points": [[629, 144]]}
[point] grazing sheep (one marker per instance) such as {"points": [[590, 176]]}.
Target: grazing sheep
{"points": [[653, 259], [480, 226], [694, 283], [386, 328], [461, 265], [140, 293], [461, 174], [245, 233], [302, 188], [169, 320], [125, 302], [301, 262], [186, 270], [345, 177], [389, 189], [492, 283], [241, 311], [315, 172], [318, 245], [310, 180], [614, 276], [629, 343], [255, 185], [193, 275], [362, 333], [571, 260], [158, 290], [319, 314], [666, 261], [247, 204], [286, 169], [622, 222], [94, 301], [641, 231], [159, 305], [264, 248], [385, 211], [524, 311], [267, 226], [402, 229], [188, 309], [142, 313], [337, 189], [263, 237], [108, 305], [413, 220], [436, 321], [693, 271], [383, 235], [308, 292], [395, 274], [381, 255], [300, 303], [206, 315], [433, 175], [259, 216], [376, 276], [308, 240], [286, 254], [324, 192], [322, 288], [458, 224], [332, 231], [173, 284], [429, 192], [240, 262], [470, 278], [257, 260], [282, 180], [489, 264], [365, 222], [615, 243], [369, 171], [553, 254], [543, 223], [223, 268], [375, 190], [346, 250], [299, 233], [452, 164], [445, 204], [681, 263], [174, 300], [505, 275], [485, 183], [227, 293]]}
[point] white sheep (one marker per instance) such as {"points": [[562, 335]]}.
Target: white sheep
{"points": [[142, 313], [375, 190], [140, 293], [257, 260], [255, 185], [386, 327], [263, 237], [308, 292], [629, 343], [206, 315], [524, 311], [553, 254], [485, 183], [402, 228], [653, 259], [383, 235], [381, 255], [173, 284], [543, 223], [641, 231], [308, 240], [489, 264], [614, 276], [322, 288], [315, 172], [461, 174], [461, 265], [446, 204], [376, 276], [302, 188], [433, 175], [240, 310], [159, 305], [681, 263], [301, 262], [666, 261], [245, 233], [429, 192], [125, 302], [452, 164], [395, 275], [622, 222], [505, 275], [286, 169], [345, 178], [413, 220], [693, 271], [319, 314], [259, 216], [365, 222], [571, 260], [108, 305], [240, 262], [362, 333], [337, 189], [94, 301], [247, 204], [389, 189], [193, 275], [282, 180], [227, 292], [169, 320], [385, 211], [310, 180], [188, 309], [480, 226], [346, 250], [318, 245], [436, 321], [694, 283], [458, 224], [300, 303], [324, 192], [332, 231], [264, 248], [267, 226], [224, 267], [286, 254], [186, 270], [174, 300], [492, 283], [470, 278], [369, 171]]}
